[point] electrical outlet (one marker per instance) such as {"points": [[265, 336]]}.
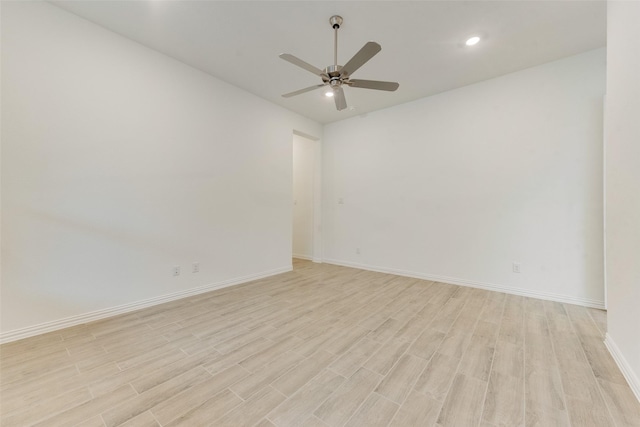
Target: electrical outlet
{"points": [[357, 251], [195, 267], [516, 267], [176, 271]]}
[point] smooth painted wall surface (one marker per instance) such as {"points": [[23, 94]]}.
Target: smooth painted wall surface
{"points": [[303, 197], [460, 185], [622, 179], [120, 163]]}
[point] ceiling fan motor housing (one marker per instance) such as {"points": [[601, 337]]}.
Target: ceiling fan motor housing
{"points": [[331, 76], [332, 71]]}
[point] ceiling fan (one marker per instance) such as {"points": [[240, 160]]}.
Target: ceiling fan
{"points": [[335, 76]]}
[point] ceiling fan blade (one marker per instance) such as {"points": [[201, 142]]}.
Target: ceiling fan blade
{"points": [[367, 52], [374, 84], [298, 92], [338, 95], [302, 64]]}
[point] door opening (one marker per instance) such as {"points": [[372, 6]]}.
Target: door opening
{"points": [[303, 197]]}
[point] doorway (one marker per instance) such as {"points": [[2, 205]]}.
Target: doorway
{"points": [[306, 196]]}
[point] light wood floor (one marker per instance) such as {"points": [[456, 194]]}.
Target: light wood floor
{"points": [[324, 346]]}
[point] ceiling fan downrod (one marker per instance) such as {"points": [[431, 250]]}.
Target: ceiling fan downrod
{"points": [[335, 22]]}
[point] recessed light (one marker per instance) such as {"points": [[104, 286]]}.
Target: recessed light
{"points": [[328, 93], [473, 40]]}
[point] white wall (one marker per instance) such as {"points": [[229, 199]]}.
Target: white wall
{"points": [[622, 136], [459, 185], [303, 197], [120, 163]]}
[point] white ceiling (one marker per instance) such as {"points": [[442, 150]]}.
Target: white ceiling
{"points": [[422, 42]]}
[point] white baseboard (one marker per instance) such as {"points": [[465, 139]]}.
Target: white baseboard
{"points": [[300, 256], [42, 328], [624, 366], [473, 284]]}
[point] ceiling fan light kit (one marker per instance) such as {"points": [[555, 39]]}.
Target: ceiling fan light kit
{"points": [[335, 76]]}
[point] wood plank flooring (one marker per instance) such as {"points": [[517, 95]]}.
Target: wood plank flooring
{"points": [[322, 346]]}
